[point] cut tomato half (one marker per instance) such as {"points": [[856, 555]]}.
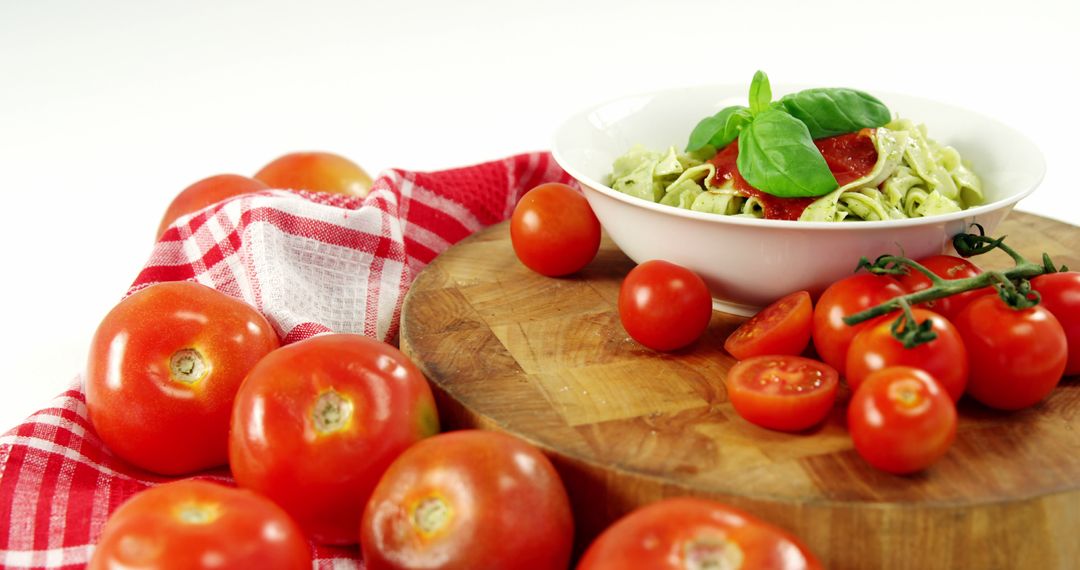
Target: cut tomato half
{"points": [[781, 328], [782, 392]]}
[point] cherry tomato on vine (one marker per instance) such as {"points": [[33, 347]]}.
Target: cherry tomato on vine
{"points": [[469, 499], [844, 298], [782, 392], [198, 524], [1060, 294], [946, 267], [664, 306], [901, 420], [554, 231], [316, 172], [206, 192], [1016, 357], [164, 367], [781, 328], [945, 357], [690, 533], [317, 422]]}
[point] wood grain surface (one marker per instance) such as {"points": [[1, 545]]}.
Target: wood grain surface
{"points": [[547, 360]]}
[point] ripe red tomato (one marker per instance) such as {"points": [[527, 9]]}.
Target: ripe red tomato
{"points": [[682, 533], [781, 328], [469, 499], [164, 367], [1016, 357], [846, 297], [198, 524], [554, 231], [901, 420], [317, 422], [1060, 294], [947, 267], [783, 392], [944, 357], [316, 172], [664, 306], [206, 192]]}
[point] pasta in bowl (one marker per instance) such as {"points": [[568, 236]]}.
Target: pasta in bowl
{"points": [[934, 170]]}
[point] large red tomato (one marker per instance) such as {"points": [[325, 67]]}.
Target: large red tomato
{"points": [[206, 192], [198, 524], [901, 420], [781, 328], [944, 357], [1060, 293], [164, 367], [664, 306], [316, 172], [947, 267], [783, 392], [1016, 357], [841, 299], [685, 533], [317, 422], [469, 499], [554, 231]]}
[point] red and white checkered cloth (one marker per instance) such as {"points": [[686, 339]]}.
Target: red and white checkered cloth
{"points": [[310, 263]]}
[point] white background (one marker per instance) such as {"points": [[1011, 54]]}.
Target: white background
{"points": [[109, 108]]}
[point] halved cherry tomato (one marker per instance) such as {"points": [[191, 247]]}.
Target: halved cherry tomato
{"points": [[1060, 293], [317, 422], [664, 306], [781, 328], [782, 392], [316, 172], [1016, 357], [689, 533], [198, 524], [206, 192], [468, 499], [947, 267], [944, 357], [901, 420], [554, 231], [844, 298], [164, 367]]}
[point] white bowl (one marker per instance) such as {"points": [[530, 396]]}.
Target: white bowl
{"points": [[748, 263]]}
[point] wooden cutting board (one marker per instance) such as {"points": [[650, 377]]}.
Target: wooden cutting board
{"points": [[547, 360]]}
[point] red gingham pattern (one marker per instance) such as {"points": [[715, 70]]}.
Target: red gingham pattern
{"points": [[311, 263]]}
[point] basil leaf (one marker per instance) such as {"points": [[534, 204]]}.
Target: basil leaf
{"points": [[736, 122], [715, 130], [760, 93], [834, 111], [777, 156]]}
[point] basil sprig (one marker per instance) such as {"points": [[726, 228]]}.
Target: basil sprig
{"points": [[777, 154]]}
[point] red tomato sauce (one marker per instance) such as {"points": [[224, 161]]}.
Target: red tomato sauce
{"points": [[850, 157]]}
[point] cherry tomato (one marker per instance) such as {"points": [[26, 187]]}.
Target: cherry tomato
{"points": [[317, 422], [947, 267], [198, 524], [944, 357], [469, 499], [316, 172], [206, 192], [781, 328], [782, 392], [164, 367], [901, 420], [1060, 293], [690, 533], [846, 297], [554, 231], [664, 306], [1016, 357]]}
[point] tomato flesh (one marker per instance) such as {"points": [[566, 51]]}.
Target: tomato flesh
{"points": [[664, 306], [850, 295], [316, 172], [1060, 294], [553, 230], [781, 328], [901, 420], [469, 499], [782, 392]]}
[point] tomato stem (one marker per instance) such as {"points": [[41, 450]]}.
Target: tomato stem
{"points": [[910, 332]]}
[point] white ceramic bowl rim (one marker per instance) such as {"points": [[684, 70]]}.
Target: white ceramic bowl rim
{"points": [[570, 169]]}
